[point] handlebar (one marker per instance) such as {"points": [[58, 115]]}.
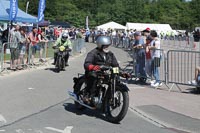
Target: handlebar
{"points": [[66, 48], [115, 71], [104, 68]]}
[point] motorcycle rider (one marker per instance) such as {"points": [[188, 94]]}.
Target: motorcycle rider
{"points": [[63, 41], [96, 58]]}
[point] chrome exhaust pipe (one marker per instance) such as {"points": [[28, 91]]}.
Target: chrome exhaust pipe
{"points": [[73, 96]]}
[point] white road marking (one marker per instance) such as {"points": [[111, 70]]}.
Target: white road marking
{"points": [[66, 130], [2, 119], [31, 88], [2, 130], [19, 131], [54, 129]]}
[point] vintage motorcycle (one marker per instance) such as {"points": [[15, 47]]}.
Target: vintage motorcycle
{"points": [[111, 96], [60, 60]]}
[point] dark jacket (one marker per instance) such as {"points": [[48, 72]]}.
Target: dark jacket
{"points": [[98, 57]]}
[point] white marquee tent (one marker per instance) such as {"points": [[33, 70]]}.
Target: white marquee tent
{"points": [[111, 25], [143, 26]]}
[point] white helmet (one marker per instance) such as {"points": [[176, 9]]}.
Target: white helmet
{"points": [[103, 41]]}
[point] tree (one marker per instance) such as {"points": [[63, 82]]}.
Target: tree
{"points": [[178, 13]]}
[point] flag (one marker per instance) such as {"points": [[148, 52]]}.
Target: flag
{"points": [[41, 9], [86, 22], [13, 9]]}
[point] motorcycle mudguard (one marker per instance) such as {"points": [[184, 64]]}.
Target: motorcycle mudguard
{"points": [[77, 79], [123, 86]]}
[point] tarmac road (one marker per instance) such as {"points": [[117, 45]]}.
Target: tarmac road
{"points": [[37, 102]]}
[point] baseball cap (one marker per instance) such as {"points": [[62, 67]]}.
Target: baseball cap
{"points": [[137, 33], [147, 30]]}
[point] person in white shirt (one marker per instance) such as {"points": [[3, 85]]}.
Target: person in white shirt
{"points": [[15, 39], [156, 55]]}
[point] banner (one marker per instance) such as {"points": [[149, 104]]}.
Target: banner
{"points": [[86, 22], [13, 9], [41, 9]]}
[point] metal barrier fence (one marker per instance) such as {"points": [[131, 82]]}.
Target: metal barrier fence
{"points": [[181, 67], [31, 60], [177, 67], [131, 67]]}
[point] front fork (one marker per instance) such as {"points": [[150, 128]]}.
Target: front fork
{"points": [[113, 90]]}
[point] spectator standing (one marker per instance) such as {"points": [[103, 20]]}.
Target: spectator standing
{"points": [[22, 46], [140, 56], [93, 35], [72, 35], [196, 79], [34, 40], [146, 33], [87, 35], [156, 55], [127, 40], [114, 37], [15, 39], [196, 36], [148, 56], [42, 42]]}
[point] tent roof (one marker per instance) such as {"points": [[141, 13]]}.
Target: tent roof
{"points": [[21, 15], [143, 26], [112, 25]]}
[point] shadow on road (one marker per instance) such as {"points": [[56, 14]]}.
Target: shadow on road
{"points": [[92, 113], [53, 70], [195, 91]]}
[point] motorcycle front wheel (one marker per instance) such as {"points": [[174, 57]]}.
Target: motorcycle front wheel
{"points": [[59, 64], [117, 109], [78, 90]]}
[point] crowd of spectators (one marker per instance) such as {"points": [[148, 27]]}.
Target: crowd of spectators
{"points": [[24, 43], [145, 46]]}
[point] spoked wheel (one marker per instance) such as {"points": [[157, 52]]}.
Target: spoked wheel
{"points": [[59, 64], [117, 109], [63, 64], [79, 90]]}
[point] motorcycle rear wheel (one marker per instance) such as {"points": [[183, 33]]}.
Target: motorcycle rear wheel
{"points": [[110, 108]]}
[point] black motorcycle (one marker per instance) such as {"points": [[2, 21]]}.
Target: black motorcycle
{"points": [[60, 59], [111, 96]]}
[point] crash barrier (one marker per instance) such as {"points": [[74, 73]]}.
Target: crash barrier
{"points": [[149, 68], [181, 67], [177, 67], [3, 50], [30, 59], [78, 45]]}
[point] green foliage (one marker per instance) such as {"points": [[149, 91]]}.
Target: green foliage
{"points": [[178, 13]]}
